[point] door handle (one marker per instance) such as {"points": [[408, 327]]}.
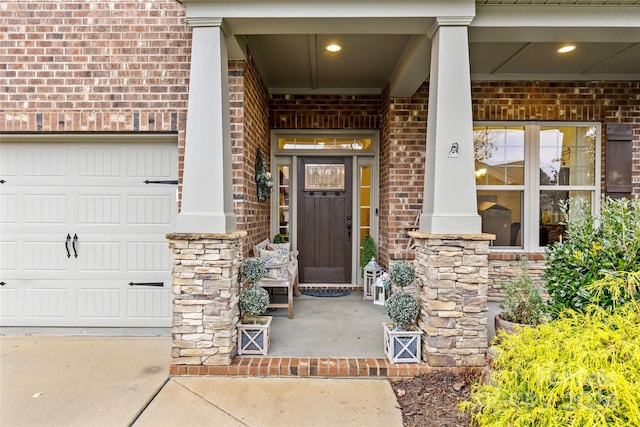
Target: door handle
{"points": [[75, 240], [66, 245], [348, 232]]}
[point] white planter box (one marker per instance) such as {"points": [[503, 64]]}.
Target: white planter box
{"points": [[254, 338], [402, 346]]}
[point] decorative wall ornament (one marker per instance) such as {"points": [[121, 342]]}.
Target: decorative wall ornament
{"points": [[453, 152], [264, 181]]}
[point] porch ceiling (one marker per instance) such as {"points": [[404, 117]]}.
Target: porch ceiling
{"points": [[508, 40]]}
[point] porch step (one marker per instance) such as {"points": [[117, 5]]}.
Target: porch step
{"points": [[340, 367]]}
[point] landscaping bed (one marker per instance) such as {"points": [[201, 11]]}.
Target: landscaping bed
{"points": [[432, 399]]}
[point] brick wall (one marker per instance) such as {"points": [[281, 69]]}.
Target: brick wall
{"points": [[116, 66], [324, 111], [249, 131], [402, 160]]}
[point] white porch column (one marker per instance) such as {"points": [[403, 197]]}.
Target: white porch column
{"points": [[207, 198], [449, 188]]}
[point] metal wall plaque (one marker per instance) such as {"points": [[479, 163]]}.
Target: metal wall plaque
{"points": [[325, 177]]}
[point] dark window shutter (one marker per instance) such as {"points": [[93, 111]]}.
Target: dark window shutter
{"points": [[619, 160]]}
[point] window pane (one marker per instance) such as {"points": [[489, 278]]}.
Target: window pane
{"points": [[501, 213], [567, 155], [283, 202], [551, 218], [365, 204], [499, 154], [347, 144]]}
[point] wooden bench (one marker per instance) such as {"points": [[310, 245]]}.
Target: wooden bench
{"points": [[287, 277]]}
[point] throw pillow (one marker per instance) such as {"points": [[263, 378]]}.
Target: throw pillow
{"points": [[272, 258], [277, 246]]}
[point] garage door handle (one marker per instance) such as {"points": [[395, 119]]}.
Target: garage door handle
{"points": [[66, 245], [75, 240]]}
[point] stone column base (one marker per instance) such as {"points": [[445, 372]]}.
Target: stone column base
{"points": [[205, 297], [452, 272]]}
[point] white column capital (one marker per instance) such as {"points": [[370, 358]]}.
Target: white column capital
{"points": [[198, 21], [442, 21]]}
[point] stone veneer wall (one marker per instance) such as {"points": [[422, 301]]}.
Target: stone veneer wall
{"points": [[452, 272], [505, 267], [205, 297]]}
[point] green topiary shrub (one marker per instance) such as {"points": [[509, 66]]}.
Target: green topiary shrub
{"points": [[579, 370], [253, 302], [368, 252], [591, 248], [402, 309], [402, 273], [253, 269]]}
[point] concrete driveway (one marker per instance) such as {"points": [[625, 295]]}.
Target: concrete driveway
{"points": [[79, 381]]}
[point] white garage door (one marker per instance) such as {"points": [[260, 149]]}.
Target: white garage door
{"points": [[83, 237]]}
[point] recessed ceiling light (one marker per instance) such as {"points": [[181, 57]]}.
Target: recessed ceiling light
{"points": [[567, 48], [334, 47]]}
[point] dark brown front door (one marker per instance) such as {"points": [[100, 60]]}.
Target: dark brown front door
{"points": [[325, 219]]}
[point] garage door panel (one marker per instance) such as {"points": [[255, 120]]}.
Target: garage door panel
{"points": [[9, 163], [99, 209], [45, 208], [8, 303], [148, 256], [148, 303], [8, 203], [8, 258], [45, 256], [143, 163], [99, 255], [46, 302], [42, 160], [149, 209], [99, 162], [99, 303]]}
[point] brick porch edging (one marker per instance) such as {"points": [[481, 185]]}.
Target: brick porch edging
{"points": [[322, 367]]}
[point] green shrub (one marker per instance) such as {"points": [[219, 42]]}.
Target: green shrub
{"points": [[402, 273], [402, 309], [253, 301], [522, 302], [278, 238], [579, 370], [254, 269], [591, 247], [368, 252]]}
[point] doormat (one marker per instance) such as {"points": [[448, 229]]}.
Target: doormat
{"points": [[325, 293]]}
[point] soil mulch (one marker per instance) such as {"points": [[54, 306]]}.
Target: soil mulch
{"points": [[432, 399]]}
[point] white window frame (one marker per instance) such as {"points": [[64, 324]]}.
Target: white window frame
{"points": [[530, 236]]}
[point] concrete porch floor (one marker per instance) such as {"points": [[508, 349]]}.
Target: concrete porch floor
{"points": [[347, 326]]}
